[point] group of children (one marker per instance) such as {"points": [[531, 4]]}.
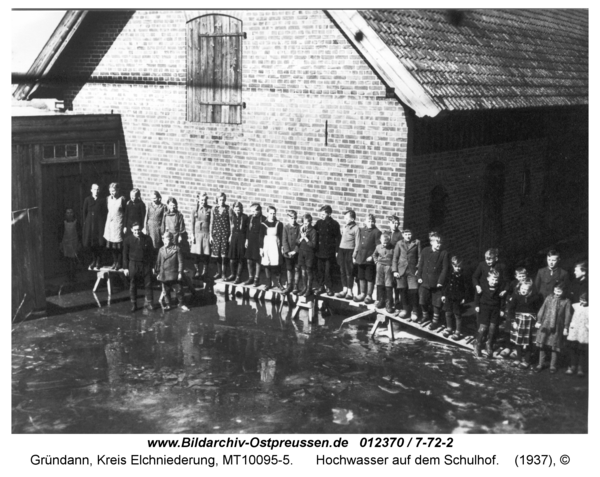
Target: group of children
{"points": [[422, 283]]}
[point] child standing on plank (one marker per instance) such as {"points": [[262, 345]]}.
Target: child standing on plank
{"points": [[237, 242], [201, 238], [328, 241], [366, 243], [579, 336], [454, 294], [289, 249], [174, 222], [552, 325], [253, 244], [135, 210], [407, 253], [219, 234], [431, 275], [153, 221], [522, 309], [489, 308], [382, 257], [307, 243], [94, 216], [270, 245], [169, 269], [113, 229], [345, 252], [482, 270], [549, 276], [70, 243]]}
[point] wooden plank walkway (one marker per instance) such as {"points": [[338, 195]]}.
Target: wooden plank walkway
{"points": [[325, 303]]}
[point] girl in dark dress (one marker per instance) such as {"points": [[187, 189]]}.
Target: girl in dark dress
{"points": [[219, 234], [237, 242], [253, 244], [94, 215], [135, 210]]}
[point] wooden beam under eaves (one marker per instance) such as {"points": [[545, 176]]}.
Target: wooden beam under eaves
{"points": [[384, 62]]}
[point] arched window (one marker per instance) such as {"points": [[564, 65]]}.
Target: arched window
{"points": [[214, 69]]}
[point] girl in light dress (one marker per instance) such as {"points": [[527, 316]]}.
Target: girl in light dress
{"points": [[114, 227]]}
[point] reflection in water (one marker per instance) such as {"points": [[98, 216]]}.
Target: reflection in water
{"points": [[241, 365]]}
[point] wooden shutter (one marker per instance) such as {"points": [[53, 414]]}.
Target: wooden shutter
{"points": [[214, 56]]}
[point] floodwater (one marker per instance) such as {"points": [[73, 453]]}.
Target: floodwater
{"points": [[242, 366]]}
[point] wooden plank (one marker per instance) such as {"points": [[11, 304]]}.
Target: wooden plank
{"points": [[235, 112], [190, 71], [204, 68], [217, 69], [225, 77]]}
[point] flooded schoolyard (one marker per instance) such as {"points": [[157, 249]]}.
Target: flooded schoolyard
{"points": [[235, 365]]}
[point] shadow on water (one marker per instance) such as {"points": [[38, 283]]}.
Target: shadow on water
{"points": [[244, 366]]}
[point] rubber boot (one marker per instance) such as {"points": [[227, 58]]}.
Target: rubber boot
{"points": [[238, 276], [268, 285], [434, 325], [277, 281], [479, 340], [309, 283], [449, 324], [296, 287], [405, 311], [233, 266], [369, 298], [303, 284], [219, 273], [526, 359], [398, 299], [458, 333], [380, 298], [389, 302], [363, 291], [290, 282], [424, 317], [540, 365], [197, 268], [489, 344], [257, 274], [250, 280], [553, 359]]}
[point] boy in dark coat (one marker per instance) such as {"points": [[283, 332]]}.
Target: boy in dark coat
{"points": [[169, 269], [431, 275], [549, 276], [481, 272], [94, 218], [454, 294], [329, 235], [407, 253], [137, 262]]}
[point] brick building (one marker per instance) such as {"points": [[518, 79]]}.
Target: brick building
{"points": [[474, 123]]}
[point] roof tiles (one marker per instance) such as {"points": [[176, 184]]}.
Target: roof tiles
{"points": [[491, 59]]}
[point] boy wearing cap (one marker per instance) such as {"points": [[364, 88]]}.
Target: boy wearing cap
{"points": [[431, 275]]}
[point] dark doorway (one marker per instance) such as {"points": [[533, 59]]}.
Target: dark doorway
{"points": [[491, 208]]}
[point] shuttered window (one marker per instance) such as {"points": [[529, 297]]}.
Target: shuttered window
{"points": [[214, 69]]}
